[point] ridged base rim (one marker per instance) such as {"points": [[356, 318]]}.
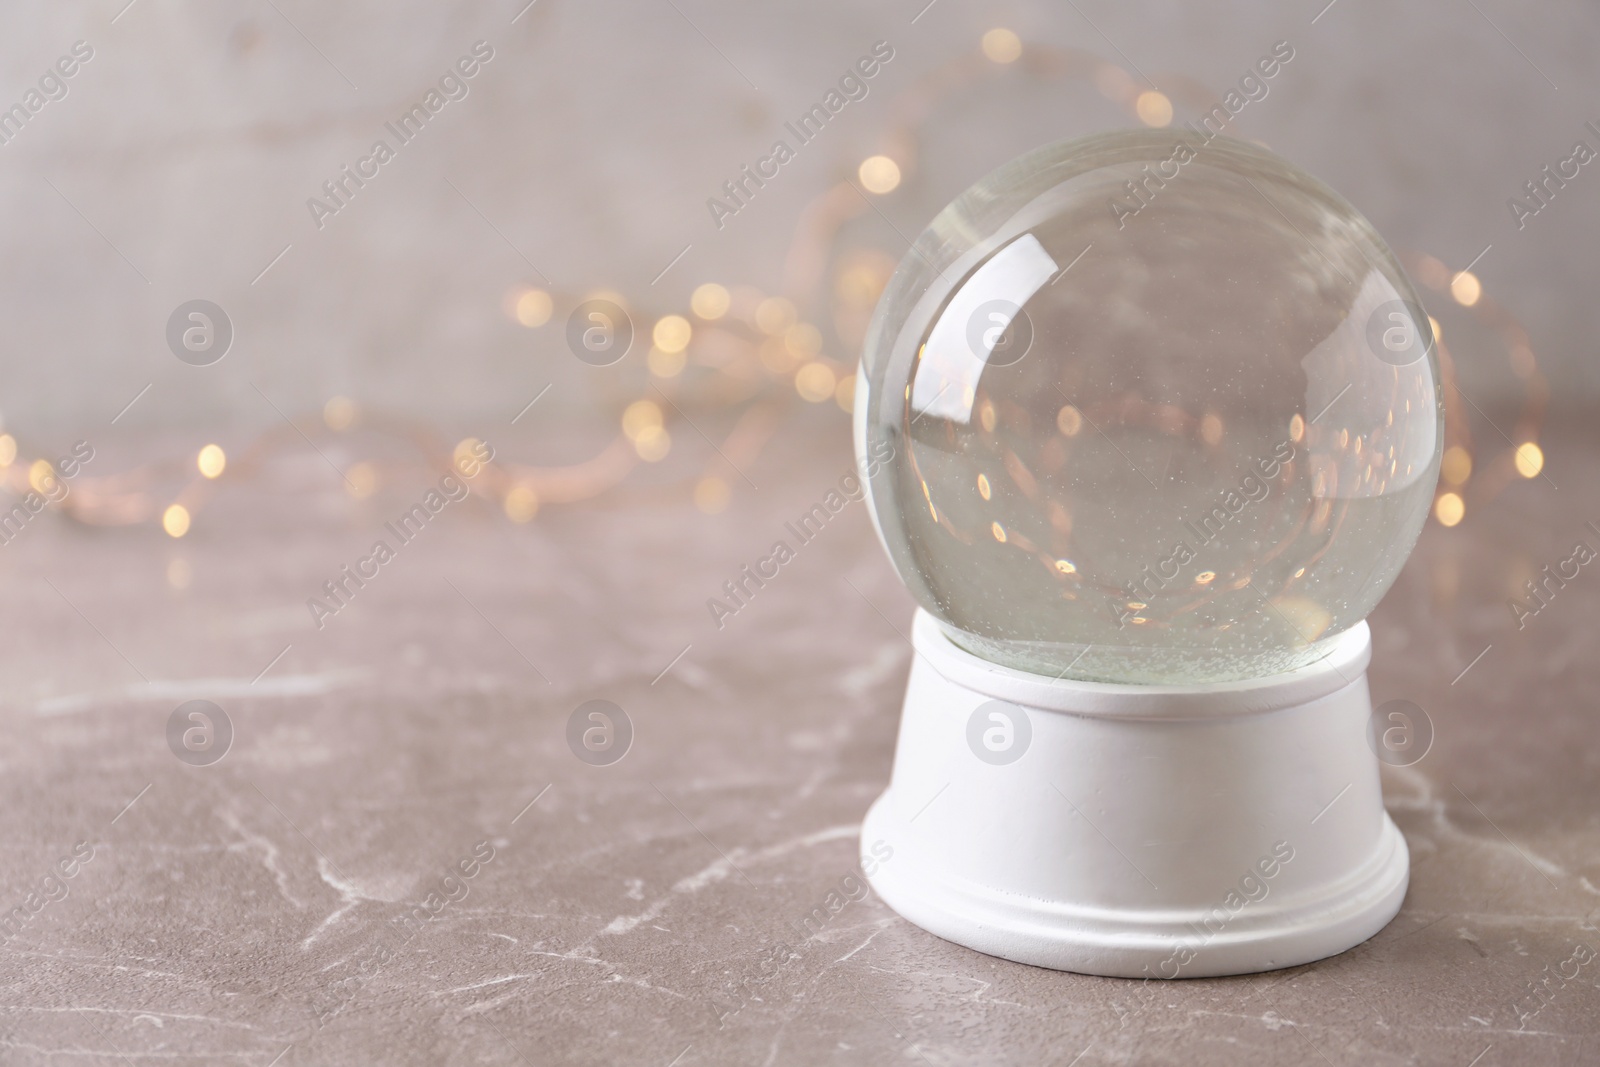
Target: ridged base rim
{"points": [[1129, 943]]}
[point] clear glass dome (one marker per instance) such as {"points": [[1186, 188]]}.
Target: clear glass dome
{"points": [[1145, 407]]}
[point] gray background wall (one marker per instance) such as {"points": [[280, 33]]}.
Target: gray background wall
{"points": [[193, 138]]}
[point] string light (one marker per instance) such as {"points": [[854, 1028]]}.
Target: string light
{"points": [[815, 382], [710, 301], [1466, 288], [664, 364], [175, 520], [1001, 45], [533, 308], [361, 480], [879, 174], [652, 444], [672, 333], [211, 461], [521, 504], [640, 417], [1153, 108], [844, 394], [339, 413], [762, 350], [41, 476], [711, 495], [1529, 460], [774, 315]]}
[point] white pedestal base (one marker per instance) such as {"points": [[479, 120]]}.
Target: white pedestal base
{"points": [[1142, 831]]}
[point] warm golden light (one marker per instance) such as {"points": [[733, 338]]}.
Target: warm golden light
{"points": [[652, 444], [1205, 577], [1069, 421], [1066, 566], [672, 333], [1153, 108], [8, 450], [879, 174], [777, 356], [534, 307], [640, 417], [1529, 459], [803, 339], [1309, 619], [1297, 428], [1438, 332], [845, 393], [983, 486], [42, 476], [815, 382], [175, 520], [521, 504], [998, 531], [1466, 288], [711, 495], [339, 413], [986, 416], [212, 461], [1001, 45], [860, 284], [466, 453], [710, 301], [774, 315], [1211, 429], [666, 364], [1456, 466], [361, 480], [1449, 509]]}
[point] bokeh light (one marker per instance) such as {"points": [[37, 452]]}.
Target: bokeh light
{"points": [[521, 504], [710, 301], [1529, 459], [1153, 108], [339, 413], [212, 461], [672, 333], [1466, 288], [534, 307], [711, 495], [1001, 45], [879, 174], [815, 382], [175, 520]]}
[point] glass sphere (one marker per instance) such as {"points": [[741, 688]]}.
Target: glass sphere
{"points": [[1149, 407]]}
